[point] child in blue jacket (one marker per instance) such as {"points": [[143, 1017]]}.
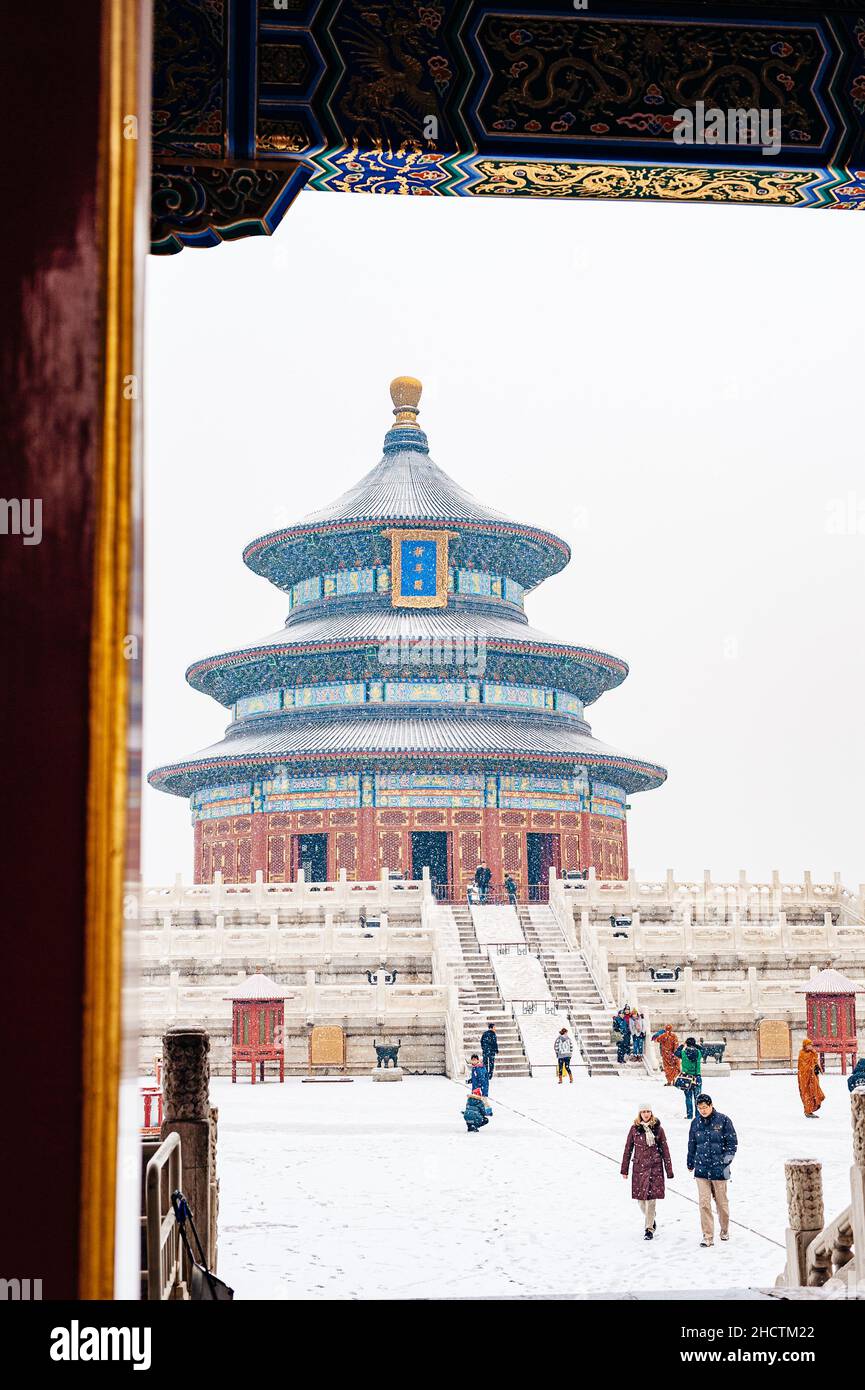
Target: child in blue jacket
{"points": [[476, 1112], [480, 1077]]}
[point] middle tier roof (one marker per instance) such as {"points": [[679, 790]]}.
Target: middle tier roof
{"points": [[507, 638]]}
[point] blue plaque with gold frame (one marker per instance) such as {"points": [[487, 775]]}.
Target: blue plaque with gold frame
{"points": [[419, 568]]}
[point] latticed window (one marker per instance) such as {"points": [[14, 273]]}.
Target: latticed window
{"points": [[276, 857], [391, 850], [511, 853]]}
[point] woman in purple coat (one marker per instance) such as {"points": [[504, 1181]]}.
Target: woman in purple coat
{"points": [[647, 1142]]}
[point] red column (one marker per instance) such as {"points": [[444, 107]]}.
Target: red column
{"points": [[259, 843], [197, 876], [491, 845], [625, 847], [586, 860], [366, 853]]}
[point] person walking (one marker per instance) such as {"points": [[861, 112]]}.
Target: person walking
{"points": [[489, 1048], [809, 1070], [482, 879], [647, 1144], [622, 1029], [633, 1028], [564, 1048], [667, 1044], [511, 890], [691, 1079], [712, 1145], [639, 1035]]}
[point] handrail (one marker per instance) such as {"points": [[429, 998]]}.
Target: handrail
{"points": [[164, 1249], [531, 1006], [830, 1251]]}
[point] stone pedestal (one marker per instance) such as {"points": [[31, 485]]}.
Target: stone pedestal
{"points": [[713, 1068], [387, 1073]]}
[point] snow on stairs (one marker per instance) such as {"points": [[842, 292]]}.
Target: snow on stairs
{"points": [[488, 1005], [572, 988]]}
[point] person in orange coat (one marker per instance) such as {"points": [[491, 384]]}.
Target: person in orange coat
{"points": [[668, 1042], [809, 1083]]}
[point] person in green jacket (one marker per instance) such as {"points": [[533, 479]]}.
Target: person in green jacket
{"points": [[690, 1054]]}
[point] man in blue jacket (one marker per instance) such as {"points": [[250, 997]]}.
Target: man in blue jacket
{"points": [[489, 1048], [712, 1145]]}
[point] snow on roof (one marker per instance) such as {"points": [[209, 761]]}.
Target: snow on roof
{"points": [[829, 982], [257, 987]]}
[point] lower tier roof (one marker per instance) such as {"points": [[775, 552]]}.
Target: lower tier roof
{"points": [[488, 740]]}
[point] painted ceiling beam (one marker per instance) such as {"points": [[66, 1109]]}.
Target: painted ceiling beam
{"points": [[253, 102]]}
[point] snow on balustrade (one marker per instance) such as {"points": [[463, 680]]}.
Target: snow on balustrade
{"points": [[303, 1003], [292, 946], [748, 897], [379, 893]]}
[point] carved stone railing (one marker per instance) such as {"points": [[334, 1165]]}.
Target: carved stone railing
{"points": [[342, 893], [307, 1003], [707, 898], [828, 1256], [284, 947], [736, 1000], [444, 976]]}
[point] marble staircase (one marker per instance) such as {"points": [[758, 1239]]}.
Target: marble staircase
{"points": [[482, 1003], [572, 988]]}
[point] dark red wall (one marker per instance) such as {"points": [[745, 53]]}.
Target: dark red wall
{"points": [[367, 839], [49, 434]]}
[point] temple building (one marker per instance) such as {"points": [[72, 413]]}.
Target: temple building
{"points": [[408, 714]]}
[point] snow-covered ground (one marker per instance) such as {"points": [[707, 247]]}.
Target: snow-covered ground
{"points": [[367, 1190]]}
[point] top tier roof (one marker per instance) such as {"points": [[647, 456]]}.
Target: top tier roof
{"points": [[405, 486]]}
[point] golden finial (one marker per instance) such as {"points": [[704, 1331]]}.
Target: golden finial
{"points": [[405, 392]]}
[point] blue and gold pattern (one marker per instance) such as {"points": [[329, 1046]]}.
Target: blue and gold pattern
{"points": [[544, 793], [421, 790], [368, 580], [210, 803], [419, 568], [292, 793], [399, 97], [430, 692]]}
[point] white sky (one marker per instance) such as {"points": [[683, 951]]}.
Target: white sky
{"points": [[677, 390]]}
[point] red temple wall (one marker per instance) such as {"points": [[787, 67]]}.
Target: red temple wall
{"points": [[365, 840]]}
